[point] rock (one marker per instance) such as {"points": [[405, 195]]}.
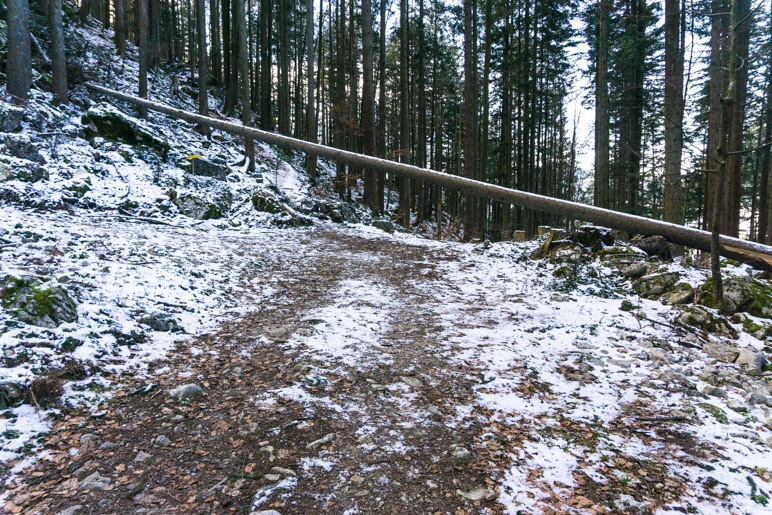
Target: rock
{"points": [[95, 482], [593, 237], [700, 318], [106, 445], [737, 406], [272, 477], [385, 225], [204, 168], [758, 398], [108, 122], [477, 494], [72, 510], [265, 512], [142, 457], [682, 293], [714, 391], [362, 493], [11, 117], [283, 471], [635, 270], [622, 257], [721, 351], [32, 301], [741, 294], [754, 362], [194, 205], [659, 355], [518, 236], [652, 286], [322, 441], [655, 246], [357, 479], [23, 170], [11, 394], [162, 440], [186, 392], [341, 212], [160, 322], [460, 454], [88, 440], [24, 147], [412, 382]]}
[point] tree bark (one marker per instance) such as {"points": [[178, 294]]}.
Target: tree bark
{"points": [[58, 59], [243, 65], [120, 27], [283, 86], [470, 117], [368, 106], [266, 110], [673, 111], [19, 64], [311, 106], [143, 54], [203, 65]]}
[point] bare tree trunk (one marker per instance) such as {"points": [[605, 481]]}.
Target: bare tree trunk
{"points": [[266, 111], [470, 117], [368, 105], [403, 183], [143, 54], [19, 64], [120, 27], [674, 111], [311, 112], [203, 68], [283, 86], [216, 60], [243, 65], [58, 60], [381, 138]]}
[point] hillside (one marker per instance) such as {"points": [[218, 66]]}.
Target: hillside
{"points": [[181, 335]]}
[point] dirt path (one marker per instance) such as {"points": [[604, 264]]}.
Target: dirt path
{"points": [[303, 411]]}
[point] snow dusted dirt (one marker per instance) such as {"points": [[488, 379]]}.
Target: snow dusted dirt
{"points": [[345, 370]]}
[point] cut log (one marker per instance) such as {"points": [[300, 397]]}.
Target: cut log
{"points": [[749, 252]]}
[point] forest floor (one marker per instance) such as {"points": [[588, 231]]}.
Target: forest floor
{"points": [[386, 374]]}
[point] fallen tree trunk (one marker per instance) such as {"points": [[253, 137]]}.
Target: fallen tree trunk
{"points": [[746, 251]]}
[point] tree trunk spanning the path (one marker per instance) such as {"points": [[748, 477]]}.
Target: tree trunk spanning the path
{"points": [[747, 251]]}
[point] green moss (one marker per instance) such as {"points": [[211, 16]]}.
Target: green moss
{"points": [[42, 300], [10, 290], [762, 299], [266, 204], [717, 412]]}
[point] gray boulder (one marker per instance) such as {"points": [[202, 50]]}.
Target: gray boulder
{"points": [[32, 301], [10, 117], [204, 168], [655, 246], [106, 121], [721, 351], [186, 392], [701, 318], [24, 147], [593, 237], [682, 293], [741, 294], [200, 207], [160, 322], [655, 285], [385, 225], [754, 362], [24, 170]]}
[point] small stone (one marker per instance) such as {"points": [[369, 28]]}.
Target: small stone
{"points": [[162, 440], [714, 391], [659, 355], [737, 406], [362, 493], [412, 381], [754, 362], [357, 479], [434, 410], [322, 441], [142, 457], [758, 398], [478, 494], [178, 418], [461, 454], [272, 477], [95, 482], [720, 351], [283, 471], [431, 484], [265, 512], [186, 392], [88, 440], [72, 510], [106, 445]]}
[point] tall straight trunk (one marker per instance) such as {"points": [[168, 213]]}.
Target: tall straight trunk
{"points": [[368, 105], [483, 166], [311, 105], [719, 31], [470, 117], [674, 111], [154, 34], [381, 137], [506, 129], [191, 41], [243, 66], [284, 87], [228, 61], [203, 68], [120, 27], [764, 234], [404, 114], [602, 197], [216, 60], [19, 44], [143, 54], [339, 109], [58, 60], [266, 110], [235, 49], [420, 153], [741, 33]]}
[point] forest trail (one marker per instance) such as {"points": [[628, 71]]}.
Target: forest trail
{"points": [[380, 376]]}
